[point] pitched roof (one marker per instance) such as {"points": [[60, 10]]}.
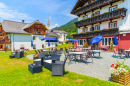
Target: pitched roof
{"points": [[13, 26], [17, 27], [79, 3], [49, 33], [58, 31]]}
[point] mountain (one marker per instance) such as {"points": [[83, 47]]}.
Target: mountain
{"points": [[69, 27]]}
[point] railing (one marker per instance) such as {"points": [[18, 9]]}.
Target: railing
{"points": [[103, 17], [2, 41], [93, 6], [37, 33], [106, 32]]}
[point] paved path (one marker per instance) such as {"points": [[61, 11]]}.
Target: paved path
{"points": [[98, 69]]}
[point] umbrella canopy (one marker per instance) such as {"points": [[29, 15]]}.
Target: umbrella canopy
{"points": [[50, 39], [81, 42], [73, 40], [31, 43], [115, 42], [96, 39]]}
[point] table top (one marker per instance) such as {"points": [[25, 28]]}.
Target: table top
{"points": [[72, 49], [86, 48], [97, 50], [47, 50], [127, 50], [77, 52]]}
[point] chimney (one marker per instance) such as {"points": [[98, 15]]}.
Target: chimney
{"points": [[22, 21]]}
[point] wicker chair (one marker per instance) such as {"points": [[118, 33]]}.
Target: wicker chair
{"points": [[13, 54], [58, 68], [39, 51], [36, 52], [89, 55]]}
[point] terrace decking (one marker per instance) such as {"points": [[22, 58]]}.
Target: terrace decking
{"points": [[119, 13], [93, 6]]}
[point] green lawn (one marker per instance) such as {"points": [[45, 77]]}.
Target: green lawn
{"points": [[58, 47], [14, 72]]}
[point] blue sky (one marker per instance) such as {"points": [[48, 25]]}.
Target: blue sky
{"points": [[58, 11]]}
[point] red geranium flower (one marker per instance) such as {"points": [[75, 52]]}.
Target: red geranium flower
{"points": [[112, 65], [116, 67]]}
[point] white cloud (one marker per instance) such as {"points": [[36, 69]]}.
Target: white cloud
{"points": [[7, 13], [56, 25]]}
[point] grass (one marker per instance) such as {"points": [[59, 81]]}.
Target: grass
{"points": [[58, 47], [14, 72]]}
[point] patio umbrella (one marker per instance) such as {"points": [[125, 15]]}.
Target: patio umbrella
{"points": [[96, 39], [73, 40], [115, 42], [48, 43], [31, 43], [81, 42]]}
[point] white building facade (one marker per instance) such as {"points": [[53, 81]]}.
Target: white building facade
{"points": [[96, 16]]}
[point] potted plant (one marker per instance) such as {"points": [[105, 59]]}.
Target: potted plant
{"points": [[105, 12], [117, 9], [88, 31], [104, 29], [120, 73]]}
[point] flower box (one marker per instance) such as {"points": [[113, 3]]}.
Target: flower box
{"points": [[123, 78]]}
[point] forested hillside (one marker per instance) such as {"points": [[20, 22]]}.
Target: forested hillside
{"points": [[69, 27]]}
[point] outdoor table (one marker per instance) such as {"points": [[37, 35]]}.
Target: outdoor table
{"points": [[128, 51], [35, 68], [78, 53], [72, 49], [97, 51], [86, 49]]}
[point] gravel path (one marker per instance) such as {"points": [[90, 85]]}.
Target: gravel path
{"points": [[98, 69]]}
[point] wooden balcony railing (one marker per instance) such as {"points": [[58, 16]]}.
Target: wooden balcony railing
{"points": [[2, 41], [1, 32], [93, 6], [119, 13], [5, 40], [37, 33], [106, 32]]}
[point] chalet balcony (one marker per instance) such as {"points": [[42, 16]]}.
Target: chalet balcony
{"points": [[93, 6], [5, 40], [107, 32], [1, 32], [119, 13], [37, 33]]}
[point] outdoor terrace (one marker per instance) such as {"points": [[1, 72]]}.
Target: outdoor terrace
{"points": [[119, 13], [106, 32], [93, 6]]}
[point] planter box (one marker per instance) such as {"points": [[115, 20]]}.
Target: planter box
{"points": [[123, 78]]}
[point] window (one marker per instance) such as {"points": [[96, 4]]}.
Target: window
{"points": [[113, 24], [34, 46], [42, 45], [112, 8], [79, 42], [97, 27], [97, 13], [85, 29], [34, 37], [107, 41], [85, 17]]}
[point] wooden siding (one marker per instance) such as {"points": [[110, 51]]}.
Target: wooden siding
{"points": [[40, 27]]}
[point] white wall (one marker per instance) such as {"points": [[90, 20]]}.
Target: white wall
{"points": [[24, 39], [123, 24]]}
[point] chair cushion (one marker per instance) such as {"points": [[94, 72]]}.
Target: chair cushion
{"points": [[48, 61], [37, 60]]}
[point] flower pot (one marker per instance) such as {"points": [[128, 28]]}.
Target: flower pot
{"points": [[123, 78]]}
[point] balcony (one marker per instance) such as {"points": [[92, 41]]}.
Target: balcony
{"points": [[119, 13], [106, 32], [93, 6], [1, 32], [37, 33]]}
